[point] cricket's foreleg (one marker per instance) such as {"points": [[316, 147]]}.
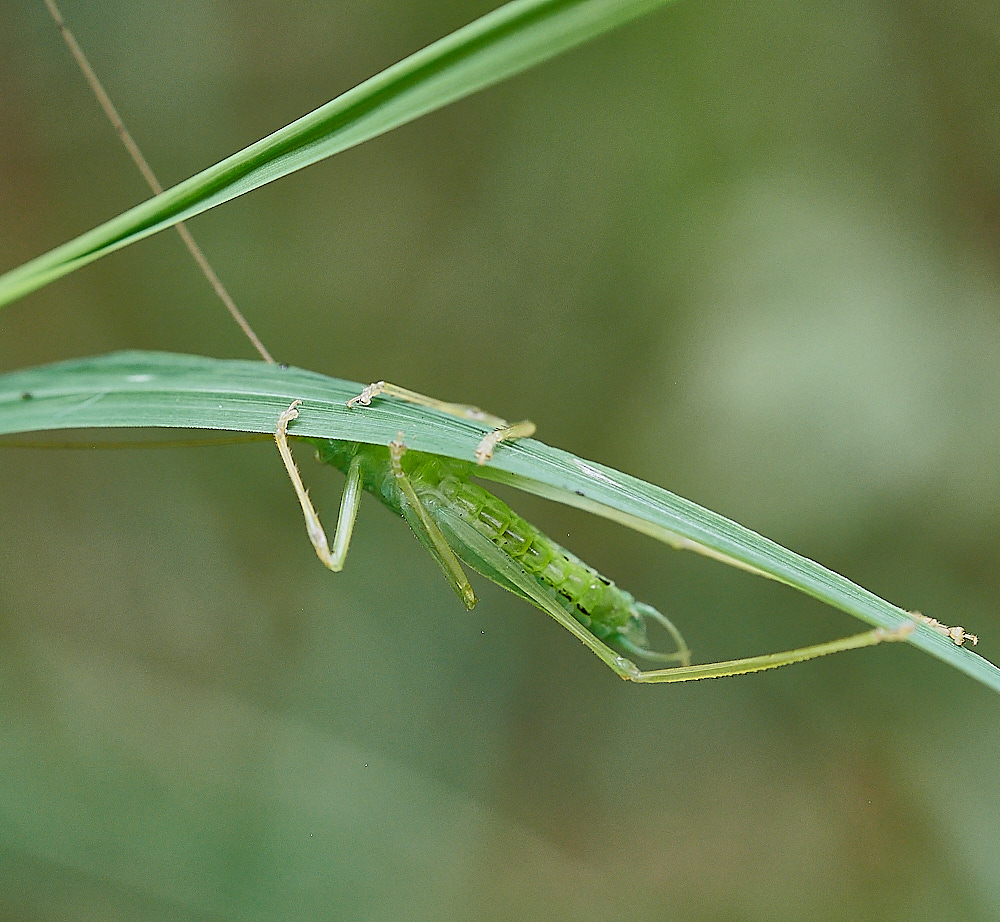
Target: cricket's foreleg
{"points": [[502, 430], [348, 505], [505, 433], [461, 410], [427, 530]]}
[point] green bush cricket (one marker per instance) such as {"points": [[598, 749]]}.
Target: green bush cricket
{"points": [[458, 521]]}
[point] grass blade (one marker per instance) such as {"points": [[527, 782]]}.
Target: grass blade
{"points": [[505, 42], [161, 389]]}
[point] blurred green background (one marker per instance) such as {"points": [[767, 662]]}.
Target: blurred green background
{"points": [[746, 251]]}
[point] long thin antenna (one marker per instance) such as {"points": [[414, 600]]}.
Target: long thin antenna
{"points": [[150, 177]]}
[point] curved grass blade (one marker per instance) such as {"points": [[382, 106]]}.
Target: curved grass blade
{"points": [[505, 42], [139, 389]]}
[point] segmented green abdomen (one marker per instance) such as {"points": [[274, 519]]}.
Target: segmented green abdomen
{"points": [[596, 602]]}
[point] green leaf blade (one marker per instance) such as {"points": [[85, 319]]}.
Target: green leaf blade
{"points": [[503, 43], [140, 389]]}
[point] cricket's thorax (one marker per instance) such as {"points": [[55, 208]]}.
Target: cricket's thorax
{"points": [[441, 482]]}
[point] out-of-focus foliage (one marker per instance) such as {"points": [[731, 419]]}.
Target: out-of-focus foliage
{"points": [[777, 225]]}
